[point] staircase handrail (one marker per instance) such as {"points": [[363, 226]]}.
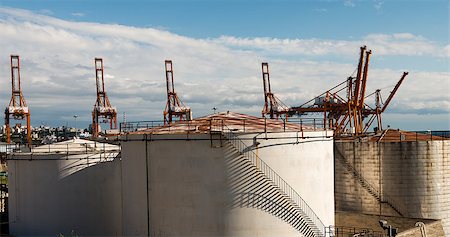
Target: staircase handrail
{"points": [[275, 178]]}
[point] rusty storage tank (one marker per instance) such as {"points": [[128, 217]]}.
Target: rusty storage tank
{"points": [[396, 173]]}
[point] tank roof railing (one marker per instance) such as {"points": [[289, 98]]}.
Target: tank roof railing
{"points": [[84, 150], [237, 124]]}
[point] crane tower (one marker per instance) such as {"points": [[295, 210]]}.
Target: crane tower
{"points": [[102, 108], [272, 105], [17, 108], [174, 106]]}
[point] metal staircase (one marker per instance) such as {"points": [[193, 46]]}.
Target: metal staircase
{"points": [[382, 198], [254, 184]]}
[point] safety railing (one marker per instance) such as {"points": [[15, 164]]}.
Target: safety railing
{"points": [[102, 151], [4, 224], [139, 125], [408, 136], [237, 123], [276, 179], [342, 231], [3, 192], [427, 135]]}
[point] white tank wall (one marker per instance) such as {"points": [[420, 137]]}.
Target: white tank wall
{"points": [[134, 186], [187, 186], [163, 188], [415, 174], [52, 197], [242, 222], [306, 164]]}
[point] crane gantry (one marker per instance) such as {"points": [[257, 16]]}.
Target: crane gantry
{"points": [[273, 106], [341, 113], [174, 106], [102, 106], [17, 108]]}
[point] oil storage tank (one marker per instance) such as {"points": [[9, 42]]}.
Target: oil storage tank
{"points": [[228, 174], [70, 188], [396, 173]]}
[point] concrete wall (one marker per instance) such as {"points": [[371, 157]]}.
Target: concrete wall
{"points": [[184, 193], [350, 195], [414, 174], [58, 196]]}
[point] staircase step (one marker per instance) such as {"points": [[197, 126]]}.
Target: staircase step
{"points": [[250, 187]]}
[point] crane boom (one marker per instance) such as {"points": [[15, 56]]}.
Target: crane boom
{"points": [[364, 79], [358, 75], [393, 92]]}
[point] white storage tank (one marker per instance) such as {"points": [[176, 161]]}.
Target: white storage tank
{"points": [[70, 188], [228, 174], [407, 171]]}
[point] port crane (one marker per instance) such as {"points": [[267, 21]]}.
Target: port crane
{"points": [[343, 106], [17, 108], [174, 106], [273, 106], [102, 107], [380, 107]]}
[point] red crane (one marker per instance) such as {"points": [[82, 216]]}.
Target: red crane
{"points": [[347, 115], [102, 107], [380, 107], [174, 106], [17, 106], [272, 105]]}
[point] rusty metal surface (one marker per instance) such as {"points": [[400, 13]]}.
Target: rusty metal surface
{"points": [[395, 135], [174, 106], [227, 121], [349, 113], [102, 108], [18, 108], [273, 106]]}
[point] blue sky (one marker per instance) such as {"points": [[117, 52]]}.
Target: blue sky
{"points": [[317, 40], [259, 18]]}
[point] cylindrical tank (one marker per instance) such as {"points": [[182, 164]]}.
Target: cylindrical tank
{"points": [[211, 184], [411, 181], [67, 188]]}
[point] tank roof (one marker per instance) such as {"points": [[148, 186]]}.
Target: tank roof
{"points": [[75, 145], [396, 135], [224, 121]]}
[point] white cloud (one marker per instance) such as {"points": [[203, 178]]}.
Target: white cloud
{"points": [[57, 60], [46, 12], [447, 50], [404, 44], [349, 3], [78, 14], [378, 4]]}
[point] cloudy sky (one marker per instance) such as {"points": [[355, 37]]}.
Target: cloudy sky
{"points": [[217, 48]]}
